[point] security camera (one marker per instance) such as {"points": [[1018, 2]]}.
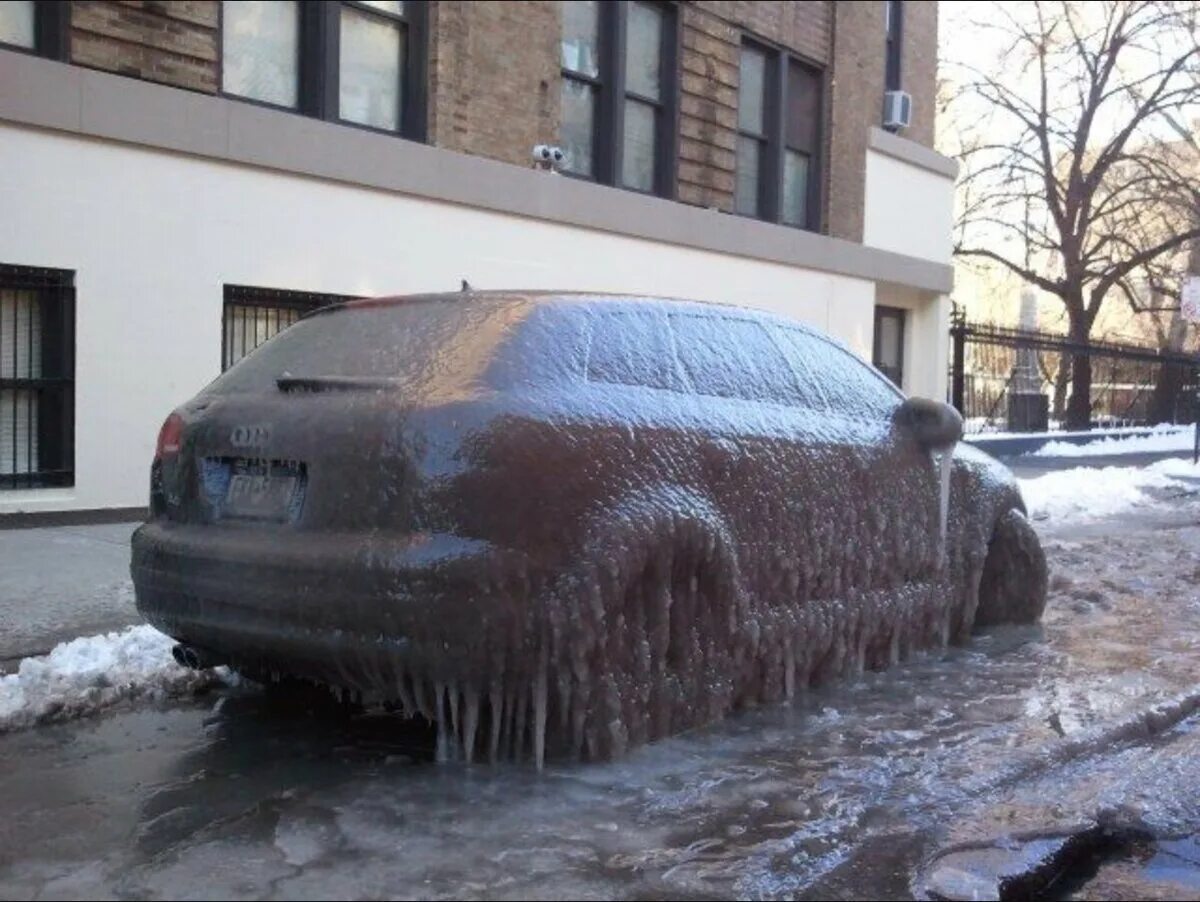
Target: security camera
{"points": [[548, 156]]}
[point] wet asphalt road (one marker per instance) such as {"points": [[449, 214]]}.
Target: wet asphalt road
{"points": [[851, 792]]}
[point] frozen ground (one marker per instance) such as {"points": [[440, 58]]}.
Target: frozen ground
{"points": [[947, 769]]}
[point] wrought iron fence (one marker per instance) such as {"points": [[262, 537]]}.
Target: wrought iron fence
{"points": [[1015, 380]]}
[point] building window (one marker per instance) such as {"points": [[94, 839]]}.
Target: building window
{"points": [[37, 377], [253, 315], [360, 63], [888, 356], [780, 109], [894, 26], [36, 27], [619, 93], [260, 50]]}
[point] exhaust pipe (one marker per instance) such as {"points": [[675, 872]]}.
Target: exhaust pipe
{"points": [[194, 658]]}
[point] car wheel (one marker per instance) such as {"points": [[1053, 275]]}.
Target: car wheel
{"points": [[1012, 588]]}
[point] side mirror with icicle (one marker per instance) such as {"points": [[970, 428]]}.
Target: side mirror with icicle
{"points": [[934, 424], [938, 427]]}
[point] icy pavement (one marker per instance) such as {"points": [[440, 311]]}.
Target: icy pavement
{"points": [[851, 792]]}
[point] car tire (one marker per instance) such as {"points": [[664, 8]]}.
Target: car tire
{"points": [[1012, 587]]}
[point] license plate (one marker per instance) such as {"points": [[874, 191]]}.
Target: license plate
{"points": [[263, 492]]}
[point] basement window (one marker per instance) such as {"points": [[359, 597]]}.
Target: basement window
{"points": [[37, 377], [254, 315]]}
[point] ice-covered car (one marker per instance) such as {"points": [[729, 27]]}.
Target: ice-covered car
{"points": [[576, 519]]}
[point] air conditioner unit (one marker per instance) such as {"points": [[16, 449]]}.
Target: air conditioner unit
{"points": [[897, 109]]}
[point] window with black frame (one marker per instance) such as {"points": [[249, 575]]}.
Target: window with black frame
{"points": [[253, 315], [360, 63], [37, 377], [778, 160], [619, 93], [35, 27], [888, 354]]}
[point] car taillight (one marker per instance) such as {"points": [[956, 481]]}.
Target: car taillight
{"points": [[169, 437]]}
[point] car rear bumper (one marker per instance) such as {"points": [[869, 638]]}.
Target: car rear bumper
{"points": [[357, 611]]}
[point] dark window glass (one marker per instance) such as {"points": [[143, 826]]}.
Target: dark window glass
{"points": [[371, 67], [37, 377], [618, 93], [832, 379], [17, 23], [748, 188], [356, 61], [889, 343], [254, 315], [752, 131], [732, 358], [779, 138], [632, 349], [260, 52], [578, 126], [581, 71]]}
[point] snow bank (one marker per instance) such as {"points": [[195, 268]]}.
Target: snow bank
{"points": [[1087, 493], [1161, 439], [93, 672]]}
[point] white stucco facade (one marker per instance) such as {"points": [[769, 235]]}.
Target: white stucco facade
{"points": [[153, 236]]}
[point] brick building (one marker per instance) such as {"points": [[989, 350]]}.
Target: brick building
{"points": [[179, 180]]}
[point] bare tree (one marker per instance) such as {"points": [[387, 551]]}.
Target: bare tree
{"points": [[1075, 177]]}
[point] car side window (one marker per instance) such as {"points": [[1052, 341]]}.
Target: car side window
{"points": [[732, 358], [632, 348], [833, 379]]}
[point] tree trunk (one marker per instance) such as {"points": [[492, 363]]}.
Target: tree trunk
{"points": [[1061, 377], [1079, 405]]}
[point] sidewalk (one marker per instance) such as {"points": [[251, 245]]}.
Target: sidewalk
{"points": [[61, 582]]}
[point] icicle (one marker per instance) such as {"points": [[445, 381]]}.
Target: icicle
{"points": [[407, 702], [470, 722], [947, 464], [443, 733], [496, 706], [452, 700], [519, 732], [539, 712], [789, 671]]}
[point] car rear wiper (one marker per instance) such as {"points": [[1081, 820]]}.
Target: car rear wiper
{"points": [[290, 383]]}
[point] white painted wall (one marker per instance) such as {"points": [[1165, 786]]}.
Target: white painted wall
{"points": [[908, 209], [154, 236]]}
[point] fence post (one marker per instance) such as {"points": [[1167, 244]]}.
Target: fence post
{"points": [[957, 374]]}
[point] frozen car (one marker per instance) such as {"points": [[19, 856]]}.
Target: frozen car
{"points": [[576, 519]]}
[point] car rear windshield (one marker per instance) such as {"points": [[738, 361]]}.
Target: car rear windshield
{"points": [[409, 342]]}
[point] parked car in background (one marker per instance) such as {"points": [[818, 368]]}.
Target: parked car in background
{"points": [[577, 519]]}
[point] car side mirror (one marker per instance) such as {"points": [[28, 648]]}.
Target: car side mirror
{"points": [[934, 424]]}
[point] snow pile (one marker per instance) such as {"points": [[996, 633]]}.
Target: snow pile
{"points": [[1161, 440], [93, 672], [1087, 493]]}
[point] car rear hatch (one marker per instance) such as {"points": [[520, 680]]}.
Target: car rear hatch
{"points": [[313, 430]]}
